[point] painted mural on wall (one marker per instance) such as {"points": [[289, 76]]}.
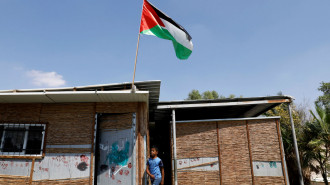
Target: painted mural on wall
{"points": [[267, 168], [115, 163], [198, 164]]}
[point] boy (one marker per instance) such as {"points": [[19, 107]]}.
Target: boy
{"points": [[155, 167]]}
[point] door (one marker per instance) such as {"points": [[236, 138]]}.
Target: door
{"points": [[115, 162]]}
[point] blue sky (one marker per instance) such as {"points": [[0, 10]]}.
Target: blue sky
{"points": [[250, 48]]}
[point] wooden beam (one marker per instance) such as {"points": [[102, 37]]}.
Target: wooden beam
{"points": [[139, 142], [250, 152], [20, 157], [281, 149], [32, 170], [219, 151], [92, 149]]}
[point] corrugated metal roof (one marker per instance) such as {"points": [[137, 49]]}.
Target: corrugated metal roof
{"points": [[219, 108], [147, 91], [74, 97]]}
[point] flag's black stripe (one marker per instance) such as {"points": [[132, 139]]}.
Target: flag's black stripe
{"points": [[167, 18]]}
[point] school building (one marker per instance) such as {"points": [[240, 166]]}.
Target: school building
{"points": [[101, 134]]}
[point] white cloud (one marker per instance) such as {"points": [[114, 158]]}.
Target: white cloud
{"points": [[46, 79]]}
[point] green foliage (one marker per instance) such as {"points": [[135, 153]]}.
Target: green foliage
{"points": [[194, 95], [215, 95], [286, 132], [207, 95], [315, 142], [324, 100], [231, 96], [210, 95]]}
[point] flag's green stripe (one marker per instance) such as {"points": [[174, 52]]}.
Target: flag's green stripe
{"points": [[181, 51], [160, 32]]}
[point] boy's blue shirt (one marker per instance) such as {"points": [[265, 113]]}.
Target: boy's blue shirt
{"points": [[154, 167]]}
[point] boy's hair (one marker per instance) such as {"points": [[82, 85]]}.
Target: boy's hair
{"points": [[155, 147]]}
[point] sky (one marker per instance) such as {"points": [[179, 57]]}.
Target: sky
{"points": [[251, 48]]}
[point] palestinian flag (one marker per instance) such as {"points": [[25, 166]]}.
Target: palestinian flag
{"points": [[154, 22]]}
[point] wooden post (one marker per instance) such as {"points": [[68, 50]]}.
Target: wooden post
{"points": [[139, 142], [250, 152], [219, 152], [282, 156], [136, 54], [92, 149], [32, 170]]}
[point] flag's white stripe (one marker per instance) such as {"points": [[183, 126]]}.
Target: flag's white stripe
{"points": [[148, 32], [179, 35]]}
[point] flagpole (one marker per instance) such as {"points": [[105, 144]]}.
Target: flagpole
{"points": [[137, 49]]}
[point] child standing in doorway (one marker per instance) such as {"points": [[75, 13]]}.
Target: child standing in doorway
{"points": [[155, 167]]}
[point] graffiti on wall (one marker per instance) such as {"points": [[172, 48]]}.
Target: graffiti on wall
{"points": [[198, 164], [52, 166], [117, 156], [116, 159], [20, 167], [62, 166], [115, 163], [267, 168]]}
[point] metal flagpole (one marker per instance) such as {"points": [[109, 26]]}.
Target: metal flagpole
{"points": [[137, 49], [301, 181], [136, 54], [174, 148]]}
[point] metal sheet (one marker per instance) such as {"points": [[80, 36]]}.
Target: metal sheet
{"points": [[20, 167], [115, 162], [219, 108], [198, 164], [62, 166], [267, 168]]}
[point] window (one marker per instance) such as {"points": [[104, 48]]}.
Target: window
{"points": [[22, 139]]}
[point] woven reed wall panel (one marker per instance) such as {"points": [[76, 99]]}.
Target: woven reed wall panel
{"points": [[68, 150], [13, 180], [143, 112], [68, 108], [68, 123], [3, 111], [269, 180], [199, 178], [116, 107], [20, 112], [261, 131], [196, 140], [116, 121], [235, 159], [62, 182]]}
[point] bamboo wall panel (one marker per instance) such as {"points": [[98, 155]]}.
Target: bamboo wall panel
{"points": [[62, 182], [235, 160], [20, 112], [13, 180], [116, 107], [196, 140], [68, 150], [199, 178], [70, 124], [264, 140], [116, 121], [269, 181]]}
